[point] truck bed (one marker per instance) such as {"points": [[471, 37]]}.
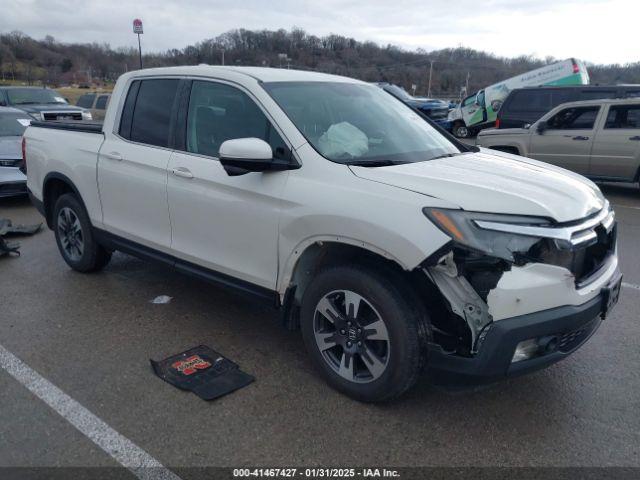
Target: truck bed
{"points": [[76, 126]]}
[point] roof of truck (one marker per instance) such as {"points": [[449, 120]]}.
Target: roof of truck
{"points": [[603, 101], [263, 74]]}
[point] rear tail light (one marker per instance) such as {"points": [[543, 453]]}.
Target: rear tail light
{"points": [[497, 123], [23, 167]]}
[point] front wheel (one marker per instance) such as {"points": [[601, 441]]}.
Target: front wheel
{"points": [[460, 130], [74, 237], [363, 332]]}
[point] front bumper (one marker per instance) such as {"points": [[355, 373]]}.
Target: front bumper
{"points": [[572, 325], [12, 182]]}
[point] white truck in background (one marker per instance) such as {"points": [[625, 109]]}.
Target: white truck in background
{"points": [[479, 110], [393, 247]]}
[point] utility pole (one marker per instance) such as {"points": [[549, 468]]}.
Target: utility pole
{"points": [[466, 86], [222, 51], [430, 73]]}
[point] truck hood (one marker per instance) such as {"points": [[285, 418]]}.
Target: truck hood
{"points": [[497, 183], [10, 148]]}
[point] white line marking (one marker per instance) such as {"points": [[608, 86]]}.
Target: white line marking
{"points": [[120, 448], [631, 285]]}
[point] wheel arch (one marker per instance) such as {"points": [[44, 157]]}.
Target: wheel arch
{"points": [[54, 185], [312, 256]]}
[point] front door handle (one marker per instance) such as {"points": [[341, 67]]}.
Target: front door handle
{"points": [[113, 156], [580, 137], [636, 138], [182, 172]]}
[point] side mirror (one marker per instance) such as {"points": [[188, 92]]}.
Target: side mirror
{"points": [[243, 155], [541, 127]]}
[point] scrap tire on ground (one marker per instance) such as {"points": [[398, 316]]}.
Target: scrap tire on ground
{"points": [[386, 297], [75, 238]]}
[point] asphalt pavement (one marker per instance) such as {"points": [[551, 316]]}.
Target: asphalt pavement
{"points": [[89, 338]]}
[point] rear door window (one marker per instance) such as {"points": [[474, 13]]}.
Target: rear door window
{"points": [[151, 119], [531, 101], [623, 116], [86, 101], [101, 103], [574, 118]]}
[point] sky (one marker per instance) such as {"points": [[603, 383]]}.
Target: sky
{"points": [[598, 31]]}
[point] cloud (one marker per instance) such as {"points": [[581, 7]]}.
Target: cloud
{"points": [[601, 31]]}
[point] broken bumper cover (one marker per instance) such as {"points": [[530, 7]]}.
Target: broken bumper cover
{"points": [[572, 325]]}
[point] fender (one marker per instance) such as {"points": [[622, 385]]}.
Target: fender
{"points": [[290, 264], [48, 209]]}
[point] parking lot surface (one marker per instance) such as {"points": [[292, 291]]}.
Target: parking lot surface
{"points": [[92, 336]]}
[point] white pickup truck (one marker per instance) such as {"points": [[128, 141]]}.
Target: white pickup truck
{"points": [[393, 247]]}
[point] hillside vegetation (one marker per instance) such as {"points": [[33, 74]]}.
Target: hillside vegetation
{"points": [[26, 60]]}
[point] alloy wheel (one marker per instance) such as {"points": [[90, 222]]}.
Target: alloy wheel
{"points": [[351, 336], [70, 233]]}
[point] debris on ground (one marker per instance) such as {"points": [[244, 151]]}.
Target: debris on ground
{"points": [[9, 229], [162, 299], [203, 371]]}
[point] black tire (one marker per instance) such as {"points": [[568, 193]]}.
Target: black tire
{"points": [[404, 316], [460, 130], [91, 257]]}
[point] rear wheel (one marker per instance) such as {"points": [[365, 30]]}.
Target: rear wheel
{"points": [[363, 333], [74, 236]]}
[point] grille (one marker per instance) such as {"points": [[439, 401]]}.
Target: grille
{"points": [[569, 341], [10, 163], [583, 261], [62, 116], [13, 188]]}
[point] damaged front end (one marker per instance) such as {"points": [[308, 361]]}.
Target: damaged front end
{"points": [[503, 266]]}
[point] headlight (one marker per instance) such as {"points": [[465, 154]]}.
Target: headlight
{"points": [[37, 116], [463, 228], [87, 116]]}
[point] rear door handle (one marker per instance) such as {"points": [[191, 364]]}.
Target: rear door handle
{"points": [[580, 137], [113, 156], [182, 172], [636, 138]]}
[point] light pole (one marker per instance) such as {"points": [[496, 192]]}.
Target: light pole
{"points": [[430, 73]]}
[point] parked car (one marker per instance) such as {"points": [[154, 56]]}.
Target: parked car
{"points": [[598, 138], [393, 248], [436, 110], [41, 103], [95, 102], [479, 110], [526, 105], [13, 123]]}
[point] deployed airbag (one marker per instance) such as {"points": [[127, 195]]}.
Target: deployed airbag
{"points": [[343, 140]]}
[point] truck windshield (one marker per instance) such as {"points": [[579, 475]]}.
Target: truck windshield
{"points": [[358, 124], [26, 96]]}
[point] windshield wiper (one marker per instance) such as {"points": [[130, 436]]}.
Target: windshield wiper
{"points": [[25, 103], [446, 155], [374, 163]]}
